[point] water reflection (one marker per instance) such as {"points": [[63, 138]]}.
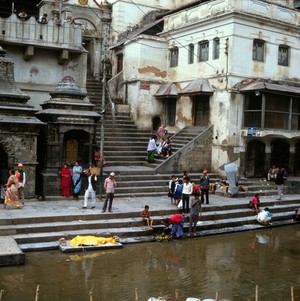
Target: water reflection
{"points": [[232, 264]]}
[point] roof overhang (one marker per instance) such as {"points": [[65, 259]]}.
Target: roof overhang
{"points": [[168, 90], [269, 87], [199, 86]]}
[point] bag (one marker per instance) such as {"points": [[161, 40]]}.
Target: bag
{"points": [[179, 206]]}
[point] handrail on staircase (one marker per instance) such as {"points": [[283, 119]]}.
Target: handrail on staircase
{"points": [[173, 159]]}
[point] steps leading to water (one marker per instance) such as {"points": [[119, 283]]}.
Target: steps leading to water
{"points": [[43, 232]]}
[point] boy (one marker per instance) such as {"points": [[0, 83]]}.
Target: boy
{"points": [[194, 213], [145, 215]]}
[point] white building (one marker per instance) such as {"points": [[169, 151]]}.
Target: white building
{"points": [[230, 64]]}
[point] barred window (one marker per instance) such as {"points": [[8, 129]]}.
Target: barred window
{"points": [[191, 53], [283, 55], [203, 48], [258, 50], [216, 49], [174, 57]]}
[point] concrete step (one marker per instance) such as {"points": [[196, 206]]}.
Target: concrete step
{"points": [[134, 227]]}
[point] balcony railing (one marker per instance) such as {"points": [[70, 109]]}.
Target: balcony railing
{"points": [[30, 32]]}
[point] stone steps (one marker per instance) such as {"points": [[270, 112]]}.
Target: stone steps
{"points": [[47, 230]]}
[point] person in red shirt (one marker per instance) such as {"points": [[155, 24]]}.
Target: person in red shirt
{"points": [[176, 221], [254, 203]]}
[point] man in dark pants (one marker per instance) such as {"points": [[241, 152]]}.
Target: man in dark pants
{"points": [[109, 186], [204, 183]]}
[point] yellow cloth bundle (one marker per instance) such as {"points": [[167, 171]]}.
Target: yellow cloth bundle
{"points": [[91, 241]]}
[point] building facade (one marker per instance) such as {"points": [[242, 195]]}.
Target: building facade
{"points": [[230, 64], [72, 44]]}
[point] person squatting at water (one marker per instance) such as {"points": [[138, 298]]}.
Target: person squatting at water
{"points": [[176, 221], [264, 217]]}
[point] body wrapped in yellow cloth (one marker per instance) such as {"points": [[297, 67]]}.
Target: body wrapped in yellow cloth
{"points": [[92, 241]]}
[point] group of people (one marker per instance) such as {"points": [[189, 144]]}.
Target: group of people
{"points": [[14, 188], [278, 175], [159, 144], [75, 178], [180, 190]]}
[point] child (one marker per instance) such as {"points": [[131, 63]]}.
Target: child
{"points": [[264, 217], [254, 203], [172, 186], [145, 215], [178, 192], [194, 213]]}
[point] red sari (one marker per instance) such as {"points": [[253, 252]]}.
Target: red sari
{"points": [[65, 181]]}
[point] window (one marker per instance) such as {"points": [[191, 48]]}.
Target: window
{"points": [[258, 50], [216, 49], [272, 111], [283, 55], [174, 57], [119, 62], [191, 53], [203, 48]]}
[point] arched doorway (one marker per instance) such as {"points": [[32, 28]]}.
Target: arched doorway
{"points": [[77, 147], [280, 153], [297, 159], [156, 123], [255, 157], [3, 166]]}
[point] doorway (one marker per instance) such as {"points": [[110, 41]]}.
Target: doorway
{"points": [[255, 157], [201, 110], [3, 166], [280, 153]]}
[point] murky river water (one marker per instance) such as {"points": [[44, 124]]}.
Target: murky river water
{"points": [[231, 263]]}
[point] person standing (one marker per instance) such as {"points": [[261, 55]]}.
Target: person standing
{"points": [[151, 149], [194, 214], [187, 190], [65, 180], [12, 194], [21, 176], [279, 180], [91, 190], [76, 178], [172, 186], [204, 183], [109, 186]]}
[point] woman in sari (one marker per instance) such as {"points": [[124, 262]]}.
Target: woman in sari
{"points": [[77, 172], [12, 193], [65, 180]]}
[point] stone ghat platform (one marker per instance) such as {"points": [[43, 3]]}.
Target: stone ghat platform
{"points": [[40, 224], [10, 252]]}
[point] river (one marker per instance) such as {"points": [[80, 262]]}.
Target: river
{"points": [[232, 264]]}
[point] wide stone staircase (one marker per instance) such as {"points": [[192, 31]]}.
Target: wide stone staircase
{"points": [[125, 154], [43, 232]]}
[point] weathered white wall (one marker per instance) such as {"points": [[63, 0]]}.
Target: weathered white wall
{"points": [[144, 61]]}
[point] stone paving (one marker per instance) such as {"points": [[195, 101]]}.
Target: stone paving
{"points": [[68, 206]]}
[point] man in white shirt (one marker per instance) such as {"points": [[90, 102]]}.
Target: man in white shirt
{"points": [[91, 190], [187, 190]]}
